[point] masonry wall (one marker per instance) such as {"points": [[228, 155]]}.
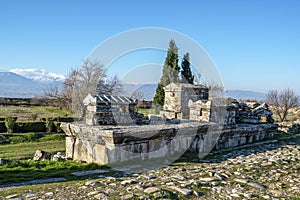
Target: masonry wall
{"points": [[177, 97], [95, 144]]}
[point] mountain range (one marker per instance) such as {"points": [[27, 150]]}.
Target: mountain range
{"points": [[28, 83], [149, 91]]}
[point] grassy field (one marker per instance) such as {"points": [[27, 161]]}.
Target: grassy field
{"points": [[146, 111], [25, 151], [25, 171], [20, 147], [25, 114], [23, 146]]}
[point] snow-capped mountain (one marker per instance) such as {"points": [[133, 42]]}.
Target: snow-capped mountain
{"points": [[27, 83], [13, 79], [39, 75]]}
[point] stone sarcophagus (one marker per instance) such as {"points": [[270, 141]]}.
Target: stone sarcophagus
{"points": [[111, 132], [104, 109], [129, 144]]}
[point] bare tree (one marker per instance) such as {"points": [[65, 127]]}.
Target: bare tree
{"points": [[90, 77], [215, 90], [62, 100], [111, 86], [82, 81], [282, 102], [137, 95]]}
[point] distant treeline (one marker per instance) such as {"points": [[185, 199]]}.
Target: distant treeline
{"points": [[28, 101], [144, 104]]}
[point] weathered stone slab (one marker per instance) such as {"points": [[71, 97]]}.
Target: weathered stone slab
{"points": [[121, 144]]}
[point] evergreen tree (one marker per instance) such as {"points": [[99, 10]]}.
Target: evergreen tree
{"points": [[170, 73], [159, 97], [186, 73]]}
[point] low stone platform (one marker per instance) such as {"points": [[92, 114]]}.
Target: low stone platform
{"points": [[120, 144]]}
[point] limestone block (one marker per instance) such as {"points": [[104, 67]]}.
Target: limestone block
{"points": [[100, 154], [41, 155], [70, 141], [59, 157], [79, 152], [168, 114], [90, 157]]}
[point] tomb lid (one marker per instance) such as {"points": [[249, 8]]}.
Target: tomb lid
{"points": [[180, 86], [107, 99]]}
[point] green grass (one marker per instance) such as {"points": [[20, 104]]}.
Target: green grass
{"points": [[23, 146], [146, 111], [20, 171], [15, 138], [40, 187], [25, 114], [23, 151]]}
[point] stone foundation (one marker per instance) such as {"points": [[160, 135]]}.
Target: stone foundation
{"points": [[117, 144]]}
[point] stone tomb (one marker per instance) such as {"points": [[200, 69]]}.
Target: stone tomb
{"points": [[110, 110], [110, 144], [177, 97], [201, 125]]}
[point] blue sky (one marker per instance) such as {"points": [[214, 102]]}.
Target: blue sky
{"points": [[254, 44]]}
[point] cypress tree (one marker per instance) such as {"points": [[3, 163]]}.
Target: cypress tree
{"points": [[170, 73], [186, 73]]}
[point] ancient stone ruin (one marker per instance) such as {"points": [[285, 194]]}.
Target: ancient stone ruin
{"points": [[110, 110], [177, 97], [192, 122]]}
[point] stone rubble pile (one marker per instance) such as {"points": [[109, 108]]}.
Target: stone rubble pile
{"points": [[290, 126], [295, 128], [43, 155], [253, 113]]}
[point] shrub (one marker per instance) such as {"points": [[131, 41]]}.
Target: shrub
{"points": [[50, 125], [3, 139], [60, 119], [33, 117], [10, 123], [158, 108], [25, 127], [3, 128], [65, 119], [16, 139], [57, 127]]}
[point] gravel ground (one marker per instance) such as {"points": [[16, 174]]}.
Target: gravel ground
{"points": [[268, 170]]}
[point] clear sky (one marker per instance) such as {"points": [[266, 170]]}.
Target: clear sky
{"points": [[255, 44]]}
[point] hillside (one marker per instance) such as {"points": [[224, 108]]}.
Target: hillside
{"points": [[27, 83]]}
